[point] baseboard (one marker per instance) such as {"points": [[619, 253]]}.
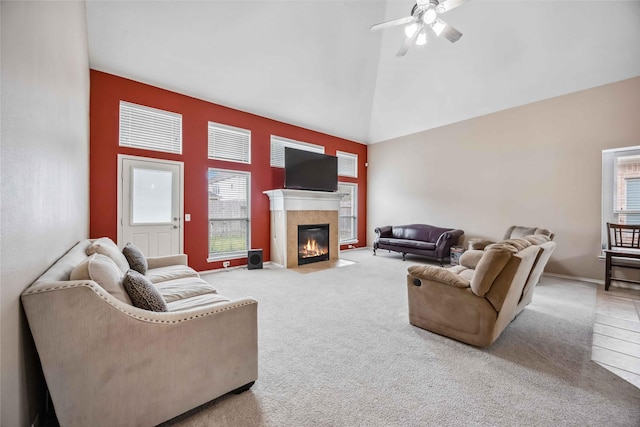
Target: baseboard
{"points": [[580, 279], [222, 270]]}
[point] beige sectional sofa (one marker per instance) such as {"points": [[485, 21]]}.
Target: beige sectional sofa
{"points": [[109, 363], [475, 301]]}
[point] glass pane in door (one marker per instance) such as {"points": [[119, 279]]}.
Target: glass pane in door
{"points": [[151, 196]]}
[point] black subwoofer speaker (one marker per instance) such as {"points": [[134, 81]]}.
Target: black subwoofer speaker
{"points": [[254, 259]]}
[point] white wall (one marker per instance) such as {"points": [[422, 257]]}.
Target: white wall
{"points": [[535, 165], [44, 172]]}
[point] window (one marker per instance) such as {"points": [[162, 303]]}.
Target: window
{"points": [[620, 188], [277, 149], [348, 213], [229, 213], [229, 143], [150, 129], [347, 164]]}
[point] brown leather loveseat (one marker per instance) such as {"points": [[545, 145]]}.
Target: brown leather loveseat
{"points": [[418, 239]]}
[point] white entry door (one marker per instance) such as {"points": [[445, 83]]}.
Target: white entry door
{"points": [[151, 205]]}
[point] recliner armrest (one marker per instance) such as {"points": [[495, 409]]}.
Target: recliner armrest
{"points": [[438, 274]]}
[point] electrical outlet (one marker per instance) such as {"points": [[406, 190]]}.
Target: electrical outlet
{"points": [[350, 247], [226, 264]]}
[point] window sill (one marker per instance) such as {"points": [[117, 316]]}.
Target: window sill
{"points": [[226, 257]]}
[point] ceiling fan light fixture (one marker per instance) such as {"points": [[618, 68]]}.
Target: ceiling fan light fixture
{"points": [[438, 27], [422, 38], [429, 16], [410, 29]]}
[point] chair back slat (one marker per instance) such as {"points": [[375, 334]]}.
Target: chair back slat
{"points": [[623, 236]]}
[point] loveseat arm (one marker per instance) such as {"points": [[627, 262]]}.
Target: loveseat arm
{"points": [[167, 260], [445, 241], [107, 363]]}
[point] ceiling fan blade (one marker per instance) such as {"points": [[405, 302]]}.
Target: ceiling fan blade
{"points": [[393, 23], [447, 5], [445, 30], [407, 43]]}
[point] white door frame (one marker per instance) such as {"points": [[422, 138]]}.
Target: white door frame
{"points": [[121, 158]]}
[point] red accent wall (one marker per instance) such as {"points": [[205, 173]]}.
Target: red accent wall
{"points": [[108, 90]]}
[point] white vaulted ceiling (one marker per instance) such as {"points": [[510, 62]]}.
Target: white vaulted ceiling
{"points": [[315, 64]]}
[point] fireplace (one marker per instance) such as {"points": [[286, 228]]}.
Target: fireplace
{"points": [[313, 243]]}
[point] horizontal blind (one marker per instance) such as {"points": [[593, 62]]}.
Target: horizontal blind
{"points": [[228, 194], [229, 143], [347, 164], [277, 149], [150, 129], [626, 173]]}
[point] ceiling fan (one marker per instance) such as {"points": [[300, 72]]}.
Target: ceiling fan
{"points": [[424, 14]]}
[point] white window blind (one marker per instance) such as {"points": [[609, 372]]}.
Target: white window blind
{"points": [[277, 149], [229, 143], [347, 164], [348, 213], [626, 195], [229, 213], [150, 129]]}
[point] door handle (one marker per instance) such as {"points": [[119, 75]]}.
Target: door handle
{"points": [[175, 226]]}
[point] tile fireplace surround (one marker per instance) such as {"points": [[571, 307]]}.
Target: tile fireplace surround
{"points": [[290, 208]]}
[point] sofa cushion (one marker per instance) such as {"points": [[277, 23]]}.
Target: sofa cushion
{"points": [[137, 261], [170, 272], [407, 243], [195, 302], [438, 274], [185, 287], [143, 293], [104, 271], [422, 232], [105, 246]]}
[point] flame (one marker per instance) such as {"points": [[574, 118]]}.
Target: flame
{"points": [[312, 249]]}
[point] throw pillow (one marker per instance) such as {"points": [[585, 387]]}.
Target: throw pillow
{"points": [[137, 261], [105, 246], [104, 271], [143, 293]]}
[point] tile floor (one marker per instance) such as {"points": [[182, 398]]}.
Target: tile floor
{"points": [[616, 332]]}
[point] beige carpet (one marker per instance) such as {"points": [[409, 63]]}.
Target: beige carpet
{"points": [[336, 349]]}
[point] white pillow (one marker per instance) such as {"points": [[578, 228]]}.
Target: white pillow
{"points": [[104, 271], [105, 246]]}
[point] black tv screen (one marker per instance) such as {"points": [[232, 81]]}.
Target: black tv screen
{"points": [[304, 170]]}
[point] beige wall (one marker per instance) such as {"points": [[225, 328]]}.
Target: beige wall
{"points": [[44, 172], [538, 165]]}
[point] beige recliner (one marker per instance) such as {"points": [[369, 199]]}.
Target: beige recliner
{"points": [[476, 300], [513, 232]]}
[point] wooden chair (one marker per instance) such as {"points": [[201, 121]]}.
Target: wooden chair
{"points": [[623, 250]]}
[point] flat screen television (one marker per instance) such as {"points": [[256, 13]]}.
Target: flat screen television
{"points": [[305, 170]]}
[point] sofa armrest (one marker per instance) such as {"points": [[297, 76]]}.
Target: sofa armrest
{"points": [[437, 274], [386, 231], [445, 241], [167, 260], [96, 351]]}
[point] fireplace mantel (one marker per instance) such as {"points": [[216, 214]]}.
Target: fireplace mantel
{"points": [[290, 208], [303, 200]]}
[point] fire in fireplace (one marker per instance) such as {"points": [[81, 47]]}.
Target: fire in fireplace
{"points": [[313, 243]]}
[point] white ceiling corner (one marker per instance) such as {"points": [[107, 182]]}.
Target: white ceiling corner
{"points": [[315, 64]]}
